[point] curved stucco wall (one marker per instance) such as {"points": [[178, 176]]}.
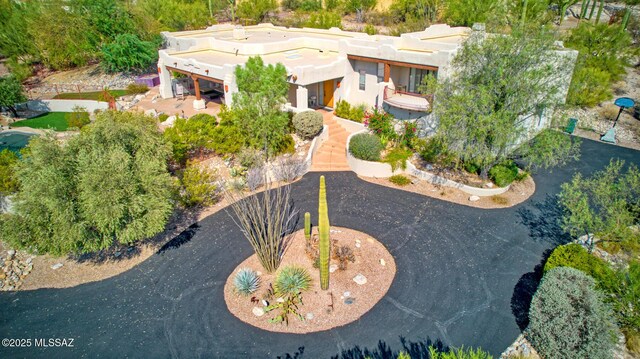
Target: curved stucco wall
{"points": [[383, 170]]}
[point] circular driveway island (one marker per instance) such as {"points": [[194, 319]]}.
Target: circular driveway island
{"points": [[464, 277]]}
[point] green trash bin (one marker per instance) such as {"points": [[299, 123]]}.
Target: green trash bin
{"points": [[571, 125]]}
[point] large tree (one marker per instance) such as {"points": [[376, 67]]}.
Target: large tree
{"points": [[605, 205], [11, 93], [498, 88], [107, 185], [257, 107]]}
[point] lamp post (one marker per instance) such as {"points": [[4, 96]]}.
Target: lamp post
{"points": [[623, 103]]}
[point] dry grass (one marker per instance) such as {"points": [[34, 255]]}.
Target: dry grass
{"points": [[503, 201], [609, 111]]}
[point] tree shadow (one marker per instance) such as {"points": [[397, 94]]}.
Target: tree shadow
{"points": [[544, 221], [416, 350], [181, 239], [524, 290]]}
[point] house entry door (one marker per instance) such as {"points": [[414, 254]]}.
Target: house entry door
{"points": [[327, 98]]}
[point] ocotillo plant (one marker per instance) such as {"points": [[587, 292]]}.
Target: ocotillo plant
{"points": [[307, 225], [323, 233]]}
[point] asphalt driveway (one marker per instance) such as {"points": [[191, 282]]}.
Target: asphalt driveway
{"points": [[464, 277]]}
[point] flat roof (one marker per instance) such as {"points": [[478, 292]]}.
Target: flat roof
{"points": [[262, 35], [289, 58]]}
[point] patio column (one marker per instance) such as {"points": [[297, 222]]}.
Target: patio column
{"points": [[166, 90], [198, 103], [387, 71], [302, 98]]}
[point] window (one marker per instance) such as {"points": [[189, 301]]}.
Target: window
{"points": [[380, 72], [362, 81], [416, 76]]}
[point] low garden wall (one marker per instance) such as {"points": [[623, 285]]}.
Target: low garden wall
{"points": [[350, 126], [65, 105], [315, 145], [383, 170]]}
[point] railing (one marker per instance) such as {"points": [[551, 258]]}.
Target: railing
{"points": [[390, 93]]}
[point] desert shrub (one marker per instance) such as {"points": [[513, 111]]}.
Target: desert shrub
{"points": [[136, 88], [78, 118], [344, 255], [162, 117], [255, 177], [503, 201], [353, 113], [289, 168], [433, 150], [256, 10], [370, 29], [471, 167], [128, 53], [331, 4], [307, 124], [292, 280], [503, 174], [286, 145], [198, 186], [8, 182], [195, 135], [246, 281], [304, 5], [609, 111], [457, 353], [366, 147], [589, 86], [399, 180], [226, 139], [568, 318], [397, 158], [575, 256], [249, 157], [632, 337], [324, 20]]}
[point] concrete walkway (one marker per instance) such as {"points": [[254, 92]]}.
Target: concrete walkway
{"points": [[332, 155]]}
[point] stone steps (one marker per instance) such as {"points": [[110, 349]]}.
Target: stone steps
{"points": [[332, 155]]}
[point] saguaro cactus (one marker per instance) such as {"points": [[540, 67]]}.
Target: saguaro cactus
{"points": [[307, 225], [323, 233]]}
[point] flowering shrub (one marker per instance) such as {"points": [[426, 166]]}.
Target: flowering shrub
{"points": [[409, 134], [380, 123]]}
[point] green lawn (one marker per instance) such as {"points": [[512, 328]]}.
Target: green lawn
{"points": [[53, 120], [96, 95]]}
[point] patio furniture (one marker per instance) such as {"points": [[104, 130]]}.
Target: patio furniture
{"points": [[571, 126]]}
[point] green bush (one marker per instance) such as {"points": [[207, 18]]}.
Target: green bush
{"points": [[354, 113], [575, 256], [370, 29], [128, 53], [366, 147], [136, 88], [307, 124], [246, 282], [568, 318], [256, 10], [250, 158], [304, 5], [226, 139], [286, 145], [400, 180], [457, 353], [433, 150], [503, 174], [198, 186], [78, 118], [397, 158], [162, 117], [8, 182], [324, 20], [589, 86], [471, 167], [292, 280]]}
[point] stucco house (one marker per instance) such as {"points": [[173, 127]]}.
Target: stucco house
{"points": [[323, 66]]}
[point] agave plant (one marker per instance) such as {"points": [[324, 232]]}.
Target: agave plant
{"points": [[292, 280], [246, 281]]}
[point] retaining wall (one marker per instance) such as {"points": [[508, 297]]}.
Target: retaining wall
{"points": [[383, 170], [65, 105]]}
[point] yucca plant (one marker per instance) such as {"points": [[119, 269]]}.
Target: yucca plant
{"points": [[246, 281], [292, 280]]}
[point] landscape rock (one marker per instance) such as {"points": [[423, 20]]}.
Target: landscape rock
{"points": [[11, 253], [382, 262], [358, 243], [57, 266], [347, 294], [474, 198], [333, 268], [257, 311], [280, 300], [309, 316], [360, 279]]}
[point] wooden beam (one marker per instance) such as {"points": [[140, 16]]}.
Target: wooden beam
{"points": [[192, 75], [387, 72], [391, 62]]}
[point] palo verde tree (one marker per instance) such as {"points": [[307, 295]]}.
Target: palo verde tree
{"points": [[605, 205], [490, 102], [108, 185], [257, 107], [11, 93]]}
